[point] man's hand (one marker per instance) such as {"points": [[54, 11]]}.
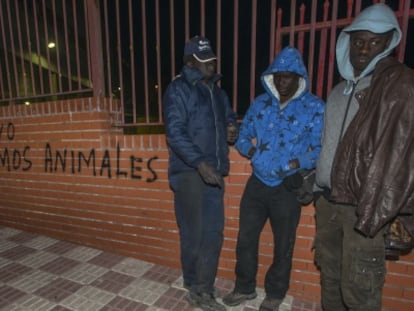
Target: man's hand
{"points": [[294, 164], [210, 175], [232, 133]]}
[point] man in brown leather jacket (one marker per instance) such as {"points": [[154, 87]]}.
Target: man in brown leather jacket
{"points": [[366, 167]]}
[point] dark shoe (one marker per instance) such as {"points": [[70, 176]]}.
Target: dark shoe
{"points": [[270, 304], [204, 301], [216, 291], [235, 298]]}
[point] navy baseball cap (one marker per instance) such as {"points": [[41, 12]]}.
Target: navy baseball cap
{"points": [[200, 48]]}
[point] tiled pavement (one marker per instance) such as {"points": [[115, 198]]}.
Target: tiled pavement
{"points": [[38, 273]]}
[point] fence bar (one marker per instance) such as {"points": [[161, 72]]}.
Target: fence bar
{"points": [[19, 37], [172, 39], [272, 30], [75, 21], [107, 49], [2, 91], [68, 60], [253, 50], [312, 44], [349, 6], [235, 52], [332, 43], [84, 92], [57, 47], [119, 87], [39, 65], [292, 23], [322, 49], [187, 19], [218, 35], [46, 34], [405, 15], [88, 42], [131, 51], [13, 51], [95, 44], [158, 49], [203, 18], [145, 59], [301, 34], [357, 7], [278, 40]]}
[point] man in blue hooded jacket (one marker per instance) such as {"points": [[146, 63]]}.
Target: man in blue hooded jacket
{"points": [[199, 124], [280, 134]]}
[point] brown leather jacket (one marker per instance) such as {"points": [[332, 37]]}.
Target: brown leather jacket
{"points": [[374, 164]]}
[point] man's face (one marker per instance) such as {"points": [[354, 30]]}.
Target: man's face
{"points": [[364, 46], [286, 83], [208, 68]]}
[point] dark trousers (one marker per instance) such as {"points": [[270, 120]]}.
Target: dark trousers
{"points": [[199, 211], [352, 265], [280, 206]]}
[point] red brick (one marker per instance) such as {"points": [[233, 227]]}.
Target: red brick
{"points": [[391, 304]]}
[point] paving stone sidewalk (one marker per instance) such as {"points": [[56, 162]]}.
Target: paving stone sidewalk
{"points": [[38, 273]]}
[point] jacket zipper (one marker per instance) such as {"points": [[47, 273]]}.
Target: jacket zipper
{"points": [[341, 133], [215, 124]]}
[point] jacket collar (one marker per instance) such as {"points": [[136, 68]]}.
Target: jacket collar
{"points": [[193, 75]]}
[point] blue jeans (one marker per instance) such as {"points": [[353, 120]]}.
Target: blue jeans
{"points": [[352, 265], [280, 206], [199, 211]]}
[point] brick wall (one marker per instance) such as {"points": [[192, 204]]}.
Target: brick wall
{"points": [[67, 173]]}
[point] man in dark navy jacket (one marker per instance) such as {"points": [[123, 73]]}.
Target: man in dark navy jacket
{"points": [[199, 124]]}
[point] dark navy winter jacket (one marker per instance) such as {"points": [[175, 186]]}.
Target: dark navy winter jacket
{"points": [[196, 116]]}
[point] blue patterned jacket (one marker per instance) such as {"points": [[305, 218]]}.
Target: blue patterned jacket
{"points": [[282, 132]]}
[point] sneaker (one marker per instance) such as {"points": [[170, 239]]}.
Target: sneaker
{"points": [[270, 304], [216, 291], [204, 301], [235, 298]]}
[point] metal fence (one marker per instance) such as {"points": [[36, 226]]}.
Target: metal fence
{"points": [[44, 50], [129, 50]]}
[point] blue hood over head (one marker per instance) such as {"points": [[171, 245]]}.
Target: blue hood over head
{"points": [[377, 18], [288, 60]]}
